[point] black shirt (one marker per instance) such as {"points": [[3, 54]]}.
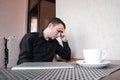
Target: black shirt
{"points": [[35, 48]]}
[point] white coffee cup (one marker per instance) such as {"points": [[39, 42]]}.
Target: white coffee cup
{"points": [[94, 56]]}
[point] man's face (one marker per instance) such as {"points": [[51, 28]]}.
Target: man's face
{"points": [[56, 31]]}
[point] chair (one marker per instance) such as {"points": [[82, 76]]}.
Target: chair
{"points": [[13, 50], [2, 55]]}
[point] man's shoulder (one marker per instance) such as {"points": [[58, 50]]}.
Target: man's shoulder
{"points": [[32, 34]]}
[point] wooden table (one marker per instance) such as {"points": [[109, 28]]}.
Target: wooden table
{"points": [[115, 75]]}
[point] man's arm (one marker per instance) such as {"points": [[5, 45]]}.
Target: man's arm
{"points": [[25, 49], [65, 51]]}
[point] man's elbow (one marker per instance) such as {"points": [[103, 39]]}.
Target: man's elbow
{"points": [[68, 57]]}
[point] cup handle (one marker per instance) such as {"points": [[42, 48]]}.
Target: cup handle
{"points": [[104, 54]]}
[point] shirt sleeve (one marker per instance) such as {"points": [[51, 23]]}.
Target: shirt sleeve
{"points": [[25, 49], [64, 51]]}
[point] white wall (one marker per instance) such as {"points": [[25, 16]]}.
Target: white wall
{"points": [[91, 24], [13, 16]]}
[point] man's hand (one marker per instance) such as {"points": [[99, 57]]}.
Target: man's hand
{"points": [[63, 37]]}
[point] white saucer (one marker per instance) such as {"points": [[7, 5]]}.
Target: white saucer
{"points": [[97, 65]]}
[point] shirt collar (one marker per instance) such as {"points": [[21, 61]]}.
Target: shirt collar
{"points": [[41, 34]]}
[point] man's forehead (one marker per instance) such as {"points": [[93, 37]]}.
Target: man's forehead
{"points": [[61, 29], [60, 26]]}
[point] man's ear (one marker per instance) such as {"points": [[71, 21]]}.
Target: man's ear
{"points": [[50, 26]]}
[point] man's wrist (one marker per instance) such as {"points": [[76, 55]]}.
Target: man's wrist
{"points": [[65, 40]]}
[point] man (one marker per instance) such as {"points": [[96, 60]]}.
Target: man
{"points": [[43, 46]]}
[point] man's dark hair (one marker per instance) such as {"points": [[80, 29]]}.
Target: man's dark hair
{"points": [[55, 21]]}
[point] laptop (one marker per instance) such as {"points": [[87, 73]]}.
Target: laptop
{"points": [[42, 65]]}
